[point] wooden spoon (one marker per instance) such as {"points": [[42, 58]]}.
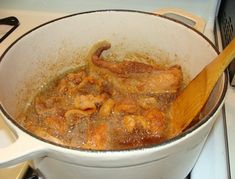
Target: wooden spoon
{"points": [[192, 99]]}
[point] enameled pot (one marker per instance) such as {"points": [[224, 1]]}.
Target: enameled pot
{"points": [[56, 46]]}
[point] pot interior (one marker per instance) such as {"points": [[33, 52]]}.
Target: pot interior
{"points": [[48, 50]]}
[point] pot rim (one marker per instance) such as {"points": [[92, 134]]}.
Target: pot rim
{"points": [[165, 143]]}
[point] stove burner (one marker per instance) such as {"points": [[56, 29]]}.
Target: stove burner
{"points": [[33, 174]]}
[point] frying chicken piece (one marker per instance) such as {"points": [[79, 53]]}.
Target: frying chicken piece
{"points": [[44, 134], [76, 114], [87, 102], [139, 130], [68, 85], [135, 77], [153, 121], [130, 122], [55, 126], [90, 85], [156, 121], [147, 102], [76, 78], [97, 137], [106, 108], [127, 106]]}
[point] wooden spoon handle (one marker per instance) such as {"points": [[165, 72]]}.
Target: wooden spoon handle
{"points": [[192, 99]]}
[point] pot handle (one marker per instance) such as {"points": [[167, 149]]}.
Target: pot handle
{"points": [[22, 149], [194, 21]]}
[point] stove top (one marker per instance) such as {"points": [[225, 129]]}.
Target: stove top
{"points": [[213, 161]]}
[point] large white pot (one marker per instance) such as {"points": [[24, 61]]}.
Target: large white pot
{"points": [[54, 47]]}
